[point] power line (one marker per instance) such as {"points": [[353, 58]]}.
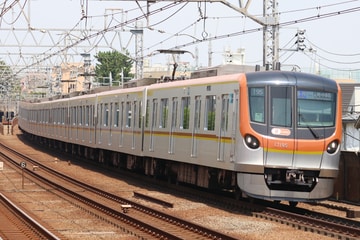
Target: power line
{"points": [[306, 19], [99, 33], [259, 29], [332, 68], [332, 53]]}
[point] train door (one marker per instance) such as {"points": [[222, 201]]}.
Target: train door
{"points": [[79, 123], [129, 123], [91, 116], [224, 124], [133, 119], [144, 117], [153, 123], [100, 122], [67, 121], [174, 110], [110, 119], [280, 127], [121, 140], [234, 123]]}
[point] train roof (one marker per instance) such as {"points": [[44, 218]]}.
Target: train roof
{"points": [[260, 77], [292, 78]]}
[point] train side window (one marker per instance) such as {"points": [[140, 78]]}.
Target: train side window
{"points": [[91, 115], [210, 109], [111, 114], [197, 112], [134, 117], [122, 115], [99, 115], [147, 113], [63, 115], [106, 115], [164, 110], [57, 120], [54, 114], [140, 115], [116, 115], [74, 115], [60, 117], [86, 122], [128, 114], [154, 113], [174, 112], [257, 104], [185, 113], [80, 115], [224, 112]]}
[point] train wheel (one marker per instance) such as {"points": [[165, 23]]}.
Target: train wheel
{"points": [[293, 204]]}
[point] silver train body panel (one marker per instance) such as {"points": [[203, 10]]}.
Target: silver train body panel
{"points": [[201, 122]]}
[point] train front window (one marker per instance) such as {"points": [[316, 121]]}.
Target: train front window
{"points": [[281, 106], [315, 109]]}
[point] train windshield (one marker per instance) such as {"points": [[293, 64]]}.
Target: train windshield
{"points": [[280, 99], [315, 109]]}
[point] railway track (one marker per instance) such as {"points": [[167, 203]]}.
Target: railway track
{"points": [[298, 218], [150, 222], [20, 225], [323, 224]]}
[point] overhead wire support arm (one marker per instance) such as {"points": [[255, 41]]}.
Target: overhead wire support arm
{"points": [[240, 9], [269, 21]]}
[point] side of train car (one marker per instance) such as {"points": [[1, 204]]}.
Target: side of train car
{"points": [[275, 135]]}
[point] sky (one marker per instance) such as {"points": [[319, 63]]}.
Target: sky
{"points": [[332, 29]]}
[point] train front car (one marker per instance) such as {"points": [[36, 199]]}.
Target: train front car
{"points": [[291, 128]]}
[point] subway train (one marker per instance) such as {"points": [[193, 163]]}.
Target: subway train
{"points": [[272, 135]]}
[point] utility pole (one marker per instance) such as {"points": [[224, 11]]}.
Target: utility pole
{"points": [[270, 34], [139, 53]]}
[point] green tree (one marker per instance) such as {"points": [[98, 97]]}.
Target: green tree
{"points": [[113, 62], [8, 83], [5, 74]]}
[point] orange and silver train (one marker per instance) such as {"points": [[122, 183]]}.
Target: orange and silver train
{"points": [[274, 135]]}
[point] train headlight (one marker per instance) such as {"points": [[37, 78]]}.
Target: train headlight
{"points": [[251, 141], [332, 147]]}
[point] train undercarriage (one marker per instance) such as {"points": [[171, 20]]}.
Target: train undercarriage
{"points": [[171, 171]]}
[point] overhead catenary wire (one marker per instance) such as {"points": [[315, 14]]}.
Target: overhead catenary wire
{"points": [[4, 10], [328, 67], [331, 53], [217, 37], [168, 6], [287, 23]]}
